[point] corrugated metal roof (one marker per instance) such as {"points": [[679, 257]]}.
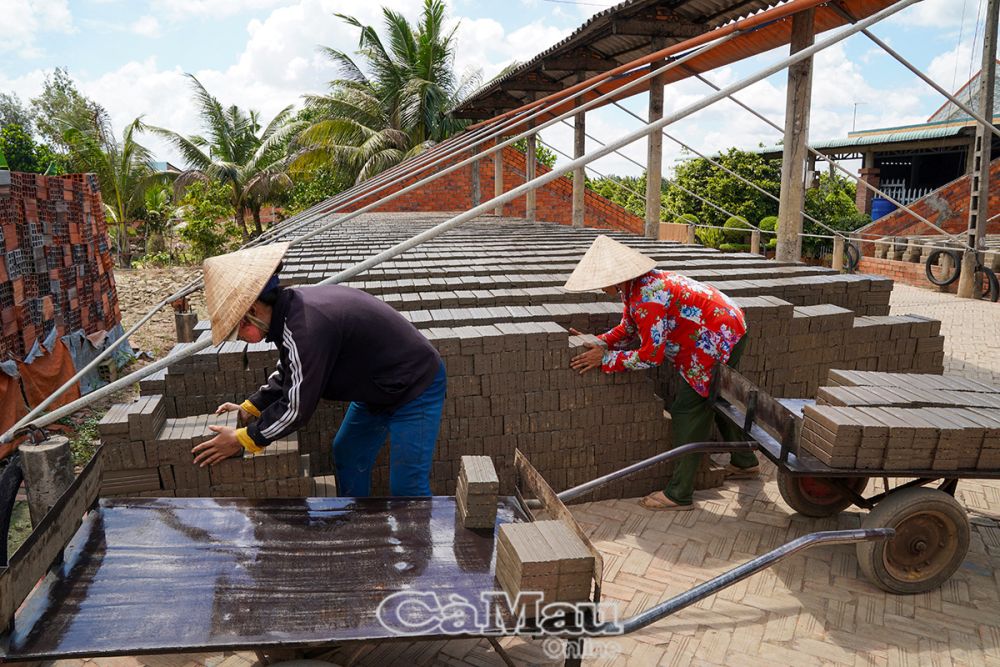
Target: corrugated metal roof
{"points": [[892, 137], [598, 34], [745, 38]]}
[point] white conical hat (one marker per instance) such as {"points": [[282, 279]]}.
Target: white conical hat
{"points": [[607, 263], [234, 281]]}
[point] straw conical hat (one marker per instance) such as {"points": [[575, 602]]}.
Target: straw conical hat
{"points": [[234, 281], [607, 263]]}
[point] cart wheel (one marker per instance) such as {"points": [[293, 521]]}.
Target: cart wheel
{"points": [[816, 496], [932, 539]]}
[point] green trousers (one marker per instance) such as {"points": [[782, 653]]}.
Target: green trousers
{"points": [[692, 417]]}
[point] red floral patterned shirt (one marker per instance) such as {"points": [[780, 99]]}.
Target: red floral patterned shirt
{"points": [[691, 324]]}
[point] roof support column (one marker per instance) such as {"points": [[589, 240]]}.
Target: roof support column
{"points": [[498, 177], [793, 161], [477, 186], [579, 175], [980, 176], [654, 156], [530, 158]]}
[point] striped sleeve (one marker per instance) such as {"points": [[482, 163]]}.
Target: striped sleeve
{"points": [[301, 387]]}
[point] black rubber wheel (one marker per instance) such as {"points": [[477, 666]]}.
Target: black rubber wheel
{"points": [[932, 260], [932, 540], [987, 286], [852, 255], [815, 496]]}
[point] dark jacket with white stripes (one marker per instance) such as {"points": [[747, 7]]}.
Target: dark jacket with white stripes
{"points": [[342, 344]]}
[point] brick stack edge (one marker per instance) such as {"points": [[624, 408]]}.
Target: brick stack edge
{"points": [[55, 260], [501, 323], [894, 421]]}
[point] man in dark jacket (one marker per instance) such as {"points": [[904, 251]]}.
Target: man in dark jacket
{"points": [[342, 344]]}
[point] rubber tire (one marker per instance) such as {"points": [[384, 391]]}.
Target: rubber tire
{"points": [[897, 507], [790, 488], [931, 262], [993, 291], [853, 257]]}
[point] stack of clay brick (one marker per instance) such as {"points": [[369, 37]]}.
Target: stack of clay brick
{"points": [[55, 260], [891, 421], [544, 557], [476, 492], [149, 454]]}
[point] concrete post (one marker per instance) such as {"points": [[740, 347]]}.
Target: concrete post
{"points": [[498, 178], [477, 191], [980, 176], [48, 472], [691, 238], [755, 242], [530, 202], [654, 157], [579, 175], [838, 253], [184, 324], [793, 163]]}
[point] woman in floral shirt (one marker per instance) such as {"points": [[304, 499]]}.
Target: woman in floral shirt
{"points": [[678, 320]]}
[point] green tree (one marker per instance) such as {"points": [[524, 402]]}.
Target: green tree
{"points": [[23, 154], [542, 154], [724, 189], [61, 105], [157, 210], [236, 152], [832, 203], [13, 112], [208, 226], [123, 167], [392, 104]]}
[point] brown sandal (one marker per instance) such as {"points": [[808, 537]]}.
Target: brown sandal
{"points": [[734, 472], [657, 501]]}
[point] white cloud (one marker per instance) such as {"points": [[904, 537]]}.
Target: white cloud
{"points": [[24, 20], [187, 9], [146, 26], [939, 14]]}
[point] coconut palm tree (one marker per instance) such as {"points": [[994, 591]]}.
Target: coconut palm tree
{"points": [[237, 152], [123, 167], [370, 121]]}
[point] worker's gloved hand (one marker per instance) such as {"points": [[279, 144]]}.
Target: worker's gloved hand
{"points": [[243, 416], [221, 447]]}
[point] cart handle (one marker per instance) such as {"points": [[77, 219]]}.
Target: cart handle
{"points": [[691, 448], [741, 572]]}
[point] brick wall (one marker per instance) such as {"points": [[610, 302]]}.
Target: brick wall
{"points": [[947, 207], [908, 273], [554, 201]]}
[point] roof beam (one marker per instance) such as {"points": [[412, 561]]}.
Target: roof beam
{"points": [[581, 60], [526, 84]]}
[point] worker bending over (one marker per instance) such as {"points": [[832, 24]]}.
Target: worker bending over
{"points": [[336, 343], [692, 325]]}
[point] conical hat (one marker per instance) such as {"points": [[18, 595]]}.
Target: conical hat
{"points": [[608, 263], [234, 281]]}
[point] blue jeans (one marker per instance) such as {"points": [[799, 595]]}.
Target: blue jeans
{"points": [[412, 429]]}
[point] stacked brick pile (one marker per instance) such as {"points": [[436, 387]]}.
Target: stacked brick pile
{"points": [[476, 492], [544, 557], [149, 454], [55, 260], [881, 425]]}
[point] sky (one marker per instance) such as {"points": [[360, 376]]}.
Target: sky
{"points": [[131, 57]]}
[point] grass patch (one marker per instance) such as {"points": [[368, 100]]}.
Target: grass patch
{"points": [[84, 442], [20, 527]]}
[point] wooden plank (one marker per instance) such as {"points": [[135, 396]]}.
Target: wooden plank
{"points": [[47, 541], [769, 413], [540, 489]]}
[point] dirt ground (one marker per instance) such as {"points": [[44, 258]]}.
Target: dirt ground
{"points": [[141, 289]]}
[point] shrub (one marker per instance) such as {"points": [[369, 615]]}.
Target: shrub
{"points": [[734, 247], [737, 237], [709, 237], [769, 224], [687, 219]]}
